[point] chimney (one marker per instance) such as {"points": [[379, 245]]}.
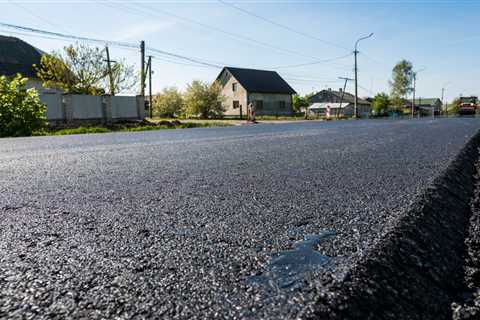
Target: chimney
{"points": [[340, 89], [329, 89]]}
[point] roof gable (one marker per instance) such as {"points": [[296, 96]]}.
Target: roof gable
{"points": [[347, 97], [260, 81], [17, 56]]}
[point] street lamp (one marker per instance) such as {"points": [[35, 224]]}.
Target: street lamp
{"points": [[356, 71]]}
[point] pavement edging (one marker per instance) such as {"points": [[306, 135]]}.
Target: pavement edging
{"points": [[417, 270]]}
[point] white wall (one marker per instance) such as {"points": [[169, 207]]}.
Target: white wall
{"points": [[54, 106], [86, 107], [124, 107]]}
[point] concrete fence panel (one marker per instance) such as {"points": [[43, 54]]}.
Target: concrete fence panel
{"points": [[124, 107], [86, 107], [55, 110]]}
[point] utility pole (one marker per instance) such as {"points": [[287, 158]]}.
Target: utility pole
{"points": [[142, 68], [414, 88], [443, 92], [444, 105], [355, 113], [343, 93], [150, 99], [110, 75]]}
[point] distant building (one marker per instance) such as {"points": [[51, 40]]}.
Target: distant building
{"points": [[270, 93], [320, 108], [17, 56], [426, 105], [334, 98]]}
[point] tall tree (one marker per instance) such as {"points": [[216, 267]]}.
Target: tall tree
{"points": [[402, 78], [204, 99], [82, 69], [125, 77]]}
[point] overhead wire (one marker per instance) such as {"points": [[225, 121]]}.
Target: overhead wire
{"points": [[150, 11], [108, 42], [304, 34]]}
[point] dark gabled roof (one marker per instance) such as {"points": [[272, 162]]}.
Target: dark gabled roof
{"points": [[261, 81], [347, 97], [17, 56]]}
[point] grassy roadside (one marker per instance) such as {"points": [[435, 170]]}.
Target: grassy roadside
{"points": [[130, 127]]}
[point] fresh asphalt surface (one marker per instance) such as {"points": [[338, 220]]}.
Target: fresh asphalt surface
{"points": [[176, 224]]}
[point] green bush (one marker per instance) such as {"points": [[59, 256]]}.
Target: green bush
{"points": [[168, 103], [21, 111]]}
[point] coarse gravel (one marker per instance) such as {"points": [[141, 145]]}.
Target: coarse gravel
{"points": [[174, 224]]}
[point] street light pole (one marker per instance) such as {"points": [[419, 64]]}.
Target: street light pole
{"points": [[356, 74]]}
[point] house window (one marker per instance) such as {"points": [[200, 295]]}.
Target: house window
{"points": [[236, 104], [234, 86], [281, 104], [259, 104]]}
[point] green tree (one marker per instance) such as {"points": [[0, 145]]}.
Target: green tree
{"points": [[82, 69], [168, 103], [381, 103], [452, 107], [125, 78], [402, 78], [21, 111], [204, 99], [299, 103]]}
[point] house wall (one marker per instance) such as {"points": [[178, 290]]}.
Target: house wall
{"points": [[37, 84], [271, 104], [240, 95]]}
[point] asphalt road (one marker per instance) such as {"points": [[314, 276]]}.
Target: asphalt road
{"points": [[188, 223]]}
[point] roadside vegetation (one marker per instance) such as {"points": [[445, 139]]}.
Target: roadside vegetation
{"points": [[200, 100], [21, 111], [82, 69], [127, 127]]}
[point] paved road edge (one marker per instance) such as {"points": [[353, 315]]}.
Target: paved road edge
{"points": [[417, 269]]}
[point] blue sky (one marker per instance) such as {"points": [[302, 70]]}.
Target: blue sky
{"points": [[441, 36]]}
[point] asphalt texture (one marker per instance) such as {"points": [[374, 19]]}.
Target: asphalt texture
{"points": [[176, 224]]}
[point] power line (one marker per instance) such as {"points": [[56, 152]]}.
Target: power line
{"points": [[314, 62], [282, 25], [54, 25], [142, 13], [219, 30], [108, 42]]}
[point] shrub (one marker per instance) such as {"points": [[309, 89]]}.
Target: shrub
{"points": [[168, 103], [204, 100], [21, 111]]}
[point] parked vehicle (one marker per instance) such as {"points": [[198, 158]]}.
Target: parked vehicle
{"points": [[467, 105]]}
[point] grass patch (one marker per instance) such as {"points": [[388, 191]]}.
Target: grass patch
{"points": [[131, 127]]}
